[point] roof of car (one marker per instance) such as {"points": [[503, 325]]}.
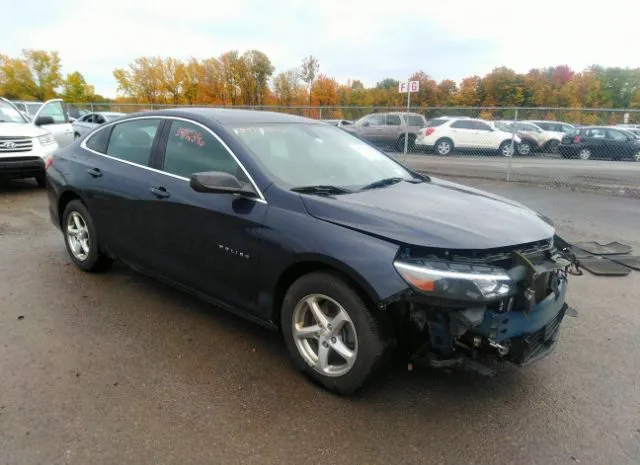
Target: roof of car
{"points": [[232, 116]]}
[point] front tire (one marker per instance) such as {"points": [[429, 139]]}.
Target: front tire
{"points": [[81, 238], [584, 154], [506, 149], [330, 333]]}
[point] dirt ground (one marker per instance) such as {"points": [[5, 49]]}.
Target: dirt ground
{"points": [[116, 368]]}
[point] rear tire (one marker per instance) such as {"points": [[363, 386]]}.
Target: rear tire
{"points": [[443, 147], [358, 333], [81, 238], [525, 148], [411, 143], [584, 154]]}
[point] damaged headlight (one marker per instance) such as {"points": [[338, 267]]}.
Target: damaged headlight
{"points": [[459, 281]]}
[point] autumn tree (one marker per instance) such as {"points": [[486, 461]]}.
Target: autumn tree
{"points": [[143, 80], [308, 72], [76, 89], [470, 92], [36, 74], [258, 72], [286, 87], [502, 87], [427, 94], [447, 90]]}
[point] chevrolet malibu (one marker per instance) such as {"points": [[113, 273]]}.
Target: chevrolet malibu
{"points": [[304, 228]]}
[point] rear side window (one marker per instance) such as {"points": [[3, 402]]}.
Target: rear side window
{"points": [[480, 126], [617, 135], [393, 120], [463, 124], [99, 140], [192, 149], [132, 140], [434, 123], [416, 120]]}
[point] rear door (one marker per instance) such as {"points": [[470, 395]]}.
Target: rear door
{"points": [[207, 242], [114, 177], [462, 132], [595, 140], [393, 129], [61, 128]]}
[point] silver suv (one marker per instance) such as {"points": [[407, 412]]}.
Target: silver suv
{"points": [[388, 129]]}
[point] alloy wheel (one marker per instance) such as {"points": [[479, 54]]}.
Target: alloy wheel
{"points": [[507, 150], [636, 156], [78, 236], [324, 335], [444, 148], [584, 154], [524, 149]]}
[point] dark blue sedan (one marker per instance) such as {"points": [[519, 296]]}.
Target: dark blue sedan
{"points": [[304, 228]]}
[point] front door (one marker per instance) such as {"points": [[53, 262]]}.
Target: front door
{"points": [[207, 242], [61, 128], [372, 128]]}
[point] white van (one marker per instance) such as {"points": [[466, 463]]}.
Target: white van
{"points": [[26, 144]]}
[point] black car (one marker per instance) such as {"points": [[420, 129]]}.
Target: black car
{"points": [[304, 228], [601, 142]]}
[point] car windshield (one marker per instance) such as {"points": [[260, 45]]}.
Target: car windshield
{"points": [[298, 155], [8, 114], [32, 108], [502, 126]]}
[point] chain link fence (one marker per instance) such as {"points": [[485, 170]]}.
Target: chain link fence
{"points": [[594, 149]]}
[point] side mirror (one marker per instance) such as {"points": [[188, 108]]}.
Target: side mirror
{"points": [[365, 124], [218, 182], [43, 120]]}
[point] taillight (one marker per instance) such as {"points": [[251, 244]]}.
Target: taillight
{"points": [[429, 131], [576, 140], [48, 163]]}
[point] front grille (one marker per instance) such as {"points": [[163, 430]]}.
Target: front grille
{"points": [[14, 145]]}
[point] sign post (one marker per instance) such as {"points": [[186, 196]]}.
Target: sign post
{"points": [[408, 87]]}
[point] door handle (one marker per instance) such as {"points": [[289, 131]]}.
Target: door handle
{"points": [[94, 172], [160, 192]]}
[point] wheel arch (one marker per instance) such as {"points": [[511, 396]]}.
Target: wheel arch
{"points": [[319, 263], [64, 199]]}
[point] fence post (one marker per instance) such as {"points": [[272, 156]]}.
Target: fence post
{"points": [[320, 113], [513, 148]]}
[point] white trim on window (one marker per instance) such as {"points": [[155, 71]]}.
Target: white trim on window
{"points": [[83, 145]]}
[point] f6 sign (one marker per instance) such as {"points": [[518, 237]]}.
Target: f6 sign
{"points": [[411, 86]]}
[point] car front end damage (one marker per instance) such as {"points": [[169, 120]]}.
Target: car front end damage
{"points": [[471, 308]]}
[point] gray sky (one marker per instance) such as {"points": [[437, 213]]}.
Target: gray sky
{"points": [[358, 39]]}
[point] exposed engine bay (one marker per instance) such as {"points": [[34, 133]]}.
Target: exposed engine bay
{"points": [[474, 306]]}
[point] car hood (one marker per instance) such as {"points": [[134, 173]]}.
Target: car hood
{"points": [[438, 214], [20, 130]]}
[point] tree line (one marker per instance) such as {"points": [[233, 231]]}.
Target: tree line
{"points": [[250, 79]]}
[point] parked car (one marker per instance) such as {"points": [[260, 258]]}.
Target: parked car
{"points": [[443, 135], [601, 142], [388, 129], [556, 129], [85, 124], [24, 146], [533, 138], [307, 229], [76, 113], [338, 122], [28, 108]]}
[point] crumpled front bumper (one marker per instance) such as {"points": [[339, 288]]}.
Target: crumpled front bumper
{"points": [[531, 335]]}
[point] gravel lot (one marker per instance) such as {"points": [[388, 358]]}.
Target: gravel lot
{"points": [[119, 369]]}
